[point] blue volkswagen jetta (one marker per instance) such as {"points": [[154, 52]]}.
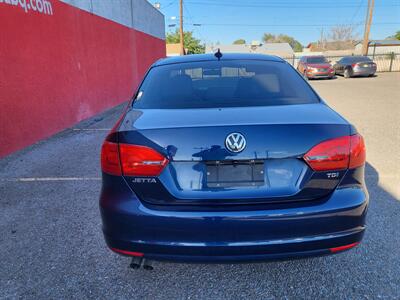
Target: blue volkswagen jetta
{"points": [[227, 158]]}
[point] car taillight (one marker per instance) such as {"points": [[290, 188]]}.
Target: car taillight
{"points": [[329, 155], [131, 160], [357, 151], [337, 154], [141, 161], [110, 158]]}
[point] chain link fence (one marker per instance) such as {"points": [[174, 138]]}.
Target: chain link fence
{"points": [[387, 62]]}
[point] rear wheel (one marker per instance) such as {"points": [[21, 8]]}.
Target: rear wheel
{"points": [[347, 73]]}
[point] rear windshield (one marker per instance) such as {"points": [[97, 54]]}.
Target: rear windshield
{"points": [[316, 60], [354, 59], [212, 84]]}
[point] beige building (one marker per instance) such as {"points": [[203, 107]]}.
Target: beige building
{"points": [[173, 49], [279, 49]]}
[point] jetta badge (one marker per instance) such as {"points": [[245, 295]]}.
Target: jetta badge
{"points": [[235, 142]]}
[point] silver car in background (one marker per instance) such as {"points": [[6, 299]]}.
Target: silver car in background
{"points": [[350, 66]]}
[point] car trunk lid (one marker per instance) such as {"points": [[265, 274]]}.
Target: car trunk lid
{"points": [[203, 170]]}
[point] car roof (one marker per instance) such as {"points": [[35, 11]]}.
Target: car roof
{"points": [[355, 56], [211, 57], [308, 56]]}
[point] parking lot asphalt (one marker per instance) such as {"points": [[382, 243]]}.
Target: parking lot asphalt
{"points": [[50, 229]]}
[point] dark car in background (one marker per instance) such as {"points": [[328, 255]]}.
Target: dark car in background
{"points": [[231, 158], [350, 66], [315, 67]]}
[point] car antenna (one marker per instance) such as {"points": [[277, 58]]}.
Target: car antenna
{"points": [[218, 54]]}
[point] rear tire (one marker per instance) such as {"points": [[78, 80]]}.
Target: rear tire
{"points": [[347, 73]]}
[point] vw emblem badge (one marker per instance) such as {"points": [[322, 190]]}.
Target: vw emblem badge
{"points": [[235, 142]]}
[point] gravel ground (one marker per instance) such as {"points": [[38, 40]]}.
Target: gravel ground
{"points": [[52, 246]]}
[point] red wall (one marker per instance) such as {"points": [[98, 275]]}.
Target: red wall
{"points": [[56, 70]]}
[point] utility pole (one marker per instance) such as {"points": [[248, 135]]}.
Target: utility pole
{"points": [[367, 29], [182, 44], [367, 16], [321, 41]]}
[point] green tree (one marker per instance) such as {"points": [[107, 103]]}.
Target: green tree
{"points": [[268, 37], [192, 44], [397, 35], [239, 42], [283, 38]]}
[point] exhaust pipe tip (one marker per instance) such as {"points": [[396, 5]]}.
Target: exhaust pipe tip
{"points": [[136, 262], [147, 265]]}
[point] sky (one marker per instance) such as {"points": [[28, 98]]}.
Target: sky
{"points": [[224, 21]]}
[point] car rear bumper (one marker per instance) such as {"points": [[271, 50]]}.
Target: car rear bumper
{"points": [[363, 71], [240, 252], [315, 75], [228, 236]]}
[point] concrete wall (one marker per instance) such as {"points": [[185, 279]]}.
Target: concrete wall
{"points": [[138, 14], [62, 65]]}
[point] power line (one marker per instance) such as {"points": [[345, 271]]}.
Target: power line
{"points": [[168, 5], [194, 24], [285, 25], [288, 2], [283, 5], [357, 11]]}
